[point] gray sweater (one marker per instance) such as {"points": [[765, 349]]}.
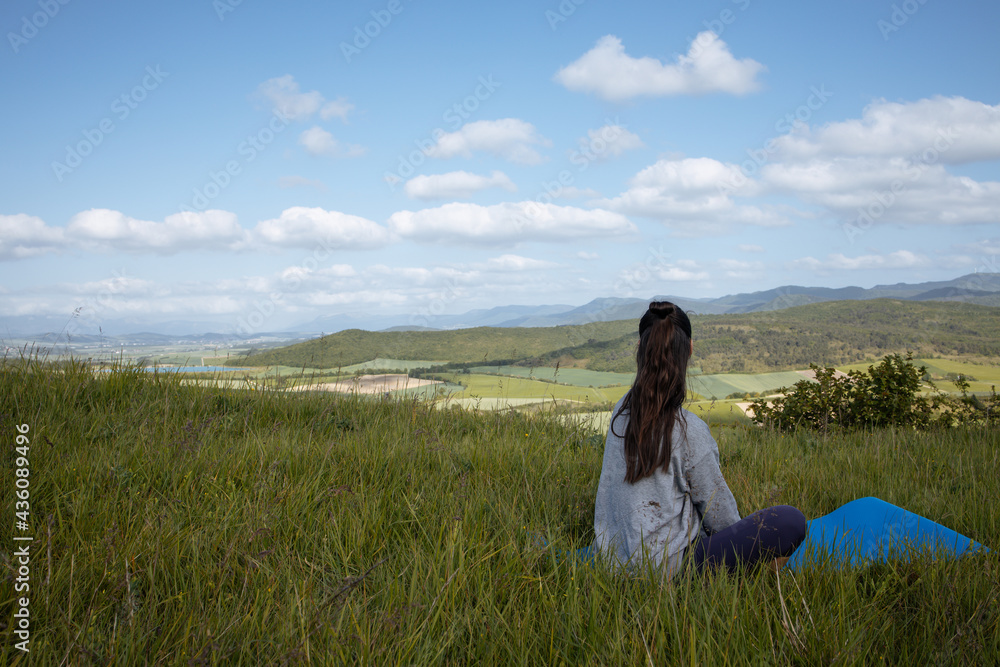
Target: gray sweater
{"points": [[657, 517]]}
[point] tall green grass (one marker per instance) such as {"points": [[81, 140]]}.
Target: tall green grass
{"points": [[178, 524]]}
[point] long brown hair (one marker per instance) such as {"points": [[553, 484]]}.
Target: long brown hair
{"points": [[654, 401]]}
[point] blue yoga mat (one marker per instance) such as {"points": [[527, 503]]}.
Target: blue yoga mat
{"points": [[870, 529]]}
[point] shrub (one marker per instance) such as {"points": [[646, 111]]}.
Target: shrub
{"points": [[885, 395], [967, 408]]}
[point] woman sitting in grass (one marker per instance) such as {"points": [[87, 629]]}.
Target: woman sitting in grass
{"points": [[662, 498]]}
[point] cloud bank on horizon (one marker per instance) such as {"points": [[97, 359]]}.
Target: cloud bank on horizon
{"points": [[436, 158]]}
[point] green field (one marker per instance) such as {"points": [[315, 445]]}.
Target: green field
{"points": [[478, 385], [578, 377], [390, 364], [175, 524], [501, 404], [507, 385], [982, 372], [714, 413], [440, 391], [986, 376], [721, 385]]}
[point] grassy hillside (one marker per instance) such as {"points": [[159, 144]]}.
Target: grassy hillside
{"points": [[481, 344], [843, 331], [830, 333], [179, 525]]}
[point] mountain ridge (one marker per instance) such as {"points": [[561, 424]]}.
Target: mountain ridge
{"points": [[975, 288]]}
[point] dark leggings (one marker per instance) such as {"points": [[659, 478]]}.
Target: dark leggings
{"points": [[767, 534]]}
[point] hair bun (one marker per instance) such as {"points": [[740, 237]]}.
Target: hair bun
{"points": [[661, 308], [660, 311]]}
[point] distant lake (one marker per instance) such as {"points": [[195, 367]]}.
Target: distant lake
{"points": [[195, 369]]}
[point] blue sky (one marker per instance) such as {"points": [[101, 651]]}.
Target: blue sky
{"points": [[256, 165]]}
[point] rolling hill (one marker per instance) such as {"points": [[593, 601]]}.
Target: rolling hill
{"points": [[829, 333]]}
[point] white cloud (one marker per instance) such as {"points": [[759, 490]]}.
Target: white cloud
{"points": [[837, 175], [900, 259], [121, 285], [691, 196], [573, 192], [299, 275], [891, 190], [510, 222], [986, 248], [417, 275], [106, 230], [414, 293], [690, 175], [516, 263], [363, 297], [749, 247], [283, 94], [950, 130], [316, 227], [24, 236], [318, 141], [338, 108], [889, 166], [741, 270], [455, 185], [636, 278], [588, 256], [708, 67], [607, 141], [678, 274], [509, 138]]}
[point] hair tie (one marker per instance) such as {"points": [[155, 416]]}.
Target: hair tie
{"points": [[661, 310]]}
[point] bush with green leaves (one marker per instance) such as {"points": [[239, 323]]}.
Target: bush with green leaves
{"points": [[968, 408], [884, 395]]}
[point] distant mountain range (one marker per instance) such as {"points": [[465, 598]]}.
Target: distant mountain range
{"points": [[976, 288]]}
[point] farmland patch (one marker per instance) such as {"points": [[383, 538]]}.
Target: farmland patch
{"points": [[722, 385], [578, 377]]}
